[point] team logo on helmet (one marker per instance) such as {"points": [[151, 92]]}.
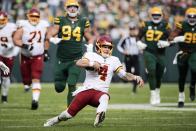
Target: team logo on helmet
{"points": [[156, 14], [72, 8], [33, 16], [190, 16], [3, 19], [104, 41]]}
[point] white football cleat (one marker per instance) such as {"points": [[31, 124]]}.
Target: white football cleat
{"points": [[181, 97], [99, 119], [153, 97], [158, 98], [51, 122]]}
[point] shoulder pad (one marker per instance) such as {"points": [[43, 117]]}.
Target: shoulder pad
{"points": [[57, 20], [12, 26], [86, 21], [21, 23], [44, 23], [168, 26], [178, 25]]}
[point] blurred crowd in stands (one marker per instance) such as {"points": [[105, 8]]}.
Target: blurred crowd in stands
{"points": [[112, 16]]}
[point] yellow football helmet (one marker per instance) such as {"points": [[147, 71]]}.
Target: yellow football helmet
{"points": [[104, 41], [3, 19], [72, 8], [190, 16], [156, 14], [33, 16]]}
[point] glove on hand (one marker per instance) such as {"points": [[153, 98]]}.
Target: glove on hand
{"points": [[141, 45]]}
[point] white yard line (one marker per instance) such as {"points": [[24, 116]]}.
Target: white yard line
{"points": [[163, 106]]}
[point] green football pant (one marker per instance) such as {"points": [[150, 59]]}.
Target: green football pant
{"points": [[66, 73], [186, 61], [155, 66]]}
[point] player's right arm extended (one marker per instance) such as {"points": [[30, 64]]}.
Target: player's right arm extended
{"points": [[85, 63], [130, 77]]}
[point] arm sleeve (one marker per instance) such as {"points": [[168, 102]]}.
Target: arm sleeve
{"points": [[121, 73]]}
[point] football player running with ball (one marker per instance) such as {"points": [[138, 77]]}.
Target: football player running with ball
{"points": [[70, 31], [94, 91]]}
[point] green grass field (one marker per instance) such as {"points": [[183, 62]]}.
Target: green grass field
{"points": [[140, 116]]}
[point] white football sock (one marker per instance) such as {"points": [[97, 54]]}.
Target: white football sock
{"points": [[181, 97], [36, 88], [5, 86], [103, 103], [64, 116]]}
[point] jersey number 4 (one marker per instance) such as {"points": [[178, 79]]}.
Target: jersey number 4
{"points": [[103, 72], [68, 33], [153, 35]]}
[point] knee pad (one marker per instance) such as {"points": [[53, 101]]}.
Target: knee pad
{"points": [[59, 86]]}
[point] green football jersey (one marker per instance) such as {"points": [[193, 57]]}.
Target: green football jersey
{"points": [[72, 33], [190, 36], [152, 33]]}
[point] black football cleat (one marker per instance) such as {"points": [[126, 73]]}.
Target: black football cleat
{"points": [[26, 89], [180, 104], [192, 93], [4, 99], [34, 105]]}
